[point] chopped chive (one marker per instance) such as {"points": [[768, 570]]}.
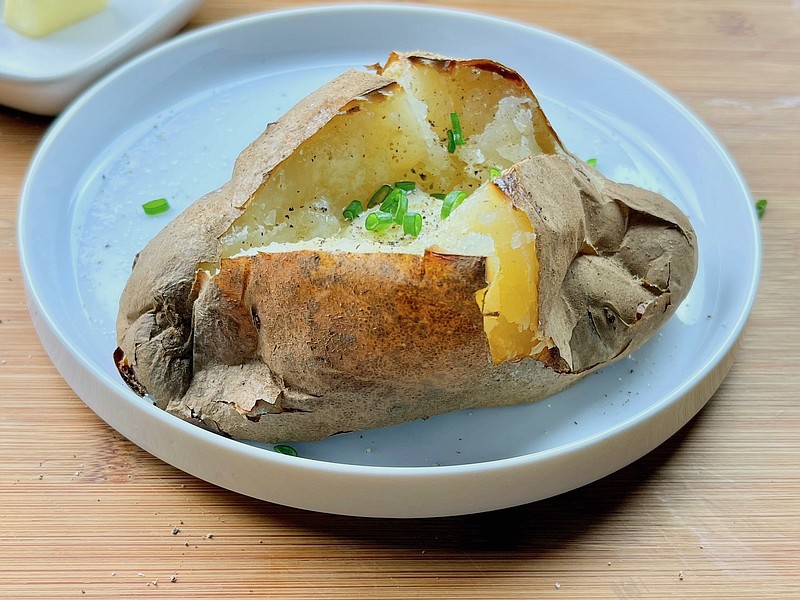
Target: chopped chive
{"points": [[412, 223], [455, 136], [494, 172], [761, 206], [379, 196], [389, 203], [284, 449], [452, 202], [156, 207], [592, 162], [438, 196], [407, 186], [353, 209], [401, 209], [455, 121], [378, 221]]}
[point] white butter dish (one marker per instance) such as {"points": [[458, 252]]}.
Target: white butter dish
{"points": [[43, 75]]}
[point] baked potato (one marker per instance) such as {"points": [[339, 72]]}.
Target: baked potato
{"points": [[277, 309]]}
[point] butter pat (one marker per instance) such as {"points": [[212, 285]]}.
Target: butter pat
{"points": [[38, 18]]}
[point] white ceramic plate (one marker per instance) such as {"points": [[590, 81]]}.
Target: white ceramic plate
{"points": [[171, 123], [43, 75]]}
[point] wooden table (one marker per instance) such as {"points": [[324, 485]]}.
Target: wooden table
{"points": [[713, 513]]}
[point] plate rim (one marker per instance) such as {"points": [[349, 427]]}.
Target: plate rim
{"points": [[722, 351]]}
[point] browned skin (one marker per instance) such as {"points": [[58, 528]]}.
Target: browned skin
{"points": [[614, 260], [302, 345], [324, 322]]}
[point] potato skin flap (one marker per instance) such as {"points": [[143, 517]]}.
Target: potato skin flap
{"points": [[322, 328]]}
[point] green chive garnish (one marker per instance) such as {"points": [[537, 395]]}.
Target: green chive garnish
{"points": [[353, 209], [494, 172], [379, 196], [455, 121], [406, 186], [592, 162], [156, 207], [412, 224], [284, 449], [452, 202], [389, 203], [438, 196], [451, 141], [455, 136], [378, 221], [401, 209], [761, 206]]}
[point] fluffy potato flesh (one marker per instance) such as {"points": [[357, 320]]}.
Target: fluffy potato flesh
{"points": [[402, 136]]}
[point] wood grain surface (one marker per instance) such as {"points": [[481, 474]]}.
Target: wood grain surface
{"points": [[713, 513]]}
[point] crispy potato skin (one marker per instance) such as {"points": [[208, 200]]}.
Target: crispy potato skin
{"points": [[316, 340], [615, 260], [302, 345], [343, 353]]}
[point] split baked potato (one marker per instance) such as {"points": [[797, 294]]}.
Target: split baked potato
{"points": [[275, 308]]}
